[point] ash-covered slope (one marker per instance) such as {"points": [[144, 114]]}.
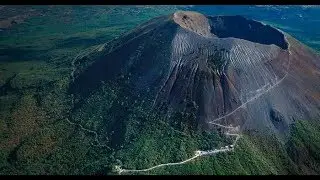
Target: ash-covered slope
{"points": [[226, 69]]}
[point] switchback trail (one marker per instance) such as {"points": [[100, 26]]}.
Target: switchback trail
{"points": [[196, 155], [231, 131]]}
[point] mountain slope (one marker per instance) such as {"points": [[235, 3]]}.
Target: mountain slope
{"points": [[226, 69], [163, 90]]}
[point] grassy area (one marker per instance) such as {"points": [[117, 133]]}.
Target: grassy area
{"points": [[257, 155], [35, 71], [36, 138]]}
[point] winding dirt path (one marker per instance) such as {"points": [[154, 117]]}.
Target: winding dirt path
{"points": [[96, 136], [196, 155], [230, 129]]}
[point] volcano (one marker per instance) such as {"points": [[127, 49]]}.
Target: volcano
{"points": [[226, 69]]}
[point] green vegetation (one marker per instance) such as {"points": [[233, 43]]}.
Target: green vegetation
{"points": [[36, 137], [254, 154], [35, 71]]}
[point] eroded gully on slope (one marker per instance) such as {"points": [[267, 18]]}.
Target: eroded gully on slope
{"points": [[231, 131]]}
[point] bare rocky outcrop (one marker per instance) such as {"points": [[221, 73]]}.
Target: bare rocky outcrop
{"points": [[194, 22], [224, 69]]}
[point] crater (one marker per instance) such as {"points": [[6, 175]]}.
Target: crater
{"points": [[230, 26], [242, 28]]}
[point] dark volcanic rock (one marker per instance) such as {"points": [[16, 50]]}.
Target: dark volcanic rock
{"points": [[234, 70]]}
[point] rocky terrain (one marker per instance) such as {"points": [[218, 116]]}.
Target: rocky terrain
{"points": [[225, 69], [103, 90]]}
